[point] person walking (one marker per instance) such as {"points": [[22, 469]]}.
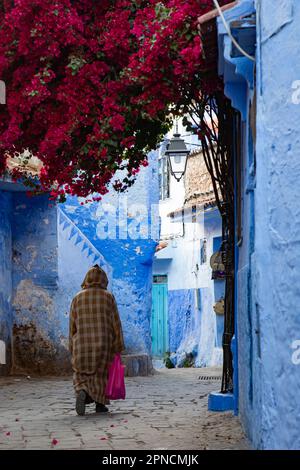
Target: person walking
{"points": [[95, 337]]}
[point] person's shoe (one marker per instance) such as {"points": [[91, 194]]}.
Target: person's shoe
{"points": [[80, 403], [101, 408], [88, 399]]}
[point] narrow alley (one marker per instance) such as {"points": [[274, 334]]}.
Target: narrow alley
{"points": [[149, 227], [165, 411]]}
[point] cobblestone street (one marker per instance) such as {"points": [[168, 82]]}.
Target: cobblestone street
{"points": [[165, 411]]}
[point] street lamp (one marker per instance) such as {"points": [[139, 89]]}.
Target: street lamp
{"points": [[177, 154]]}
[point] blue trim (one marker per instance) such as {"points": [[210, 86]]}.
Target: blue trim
{"points": [[220, 401], [217, 241], [238, 73], [6, 184]]}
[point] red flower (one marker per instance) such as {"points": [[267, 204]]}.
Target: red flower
{"points": [[117, 122], [90, 84]]}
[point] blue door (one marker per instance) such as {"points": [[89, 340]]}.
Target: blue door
{"points": [[159, 318]]}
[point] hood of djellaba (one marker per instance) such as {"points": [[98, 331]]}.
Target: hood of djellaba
{"points": [[95, 277]]}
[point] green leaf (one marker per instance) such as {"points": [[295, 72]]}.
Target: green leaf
{"points": [[112, 143]]}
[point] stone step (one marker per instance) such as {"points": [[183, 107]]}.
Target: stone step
{"points": [[137, 365]]}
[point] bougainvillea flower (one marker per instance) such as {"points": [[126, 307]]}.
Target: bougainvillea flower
{"points": [[91, 85]]}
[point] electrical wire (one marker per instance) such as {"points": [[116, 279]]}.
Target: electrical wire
{"points": [[229, 32]]}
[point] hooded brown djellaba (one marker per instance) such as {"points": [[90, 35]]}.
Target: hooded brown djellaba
{"points": [[95, 337]]}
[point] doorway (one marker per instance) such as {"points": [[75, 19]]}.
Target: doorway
{"points": [[159, 317]]}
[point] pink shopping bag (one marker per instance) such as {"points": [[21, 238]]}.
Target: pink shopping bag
{"points": [[115, 388]]}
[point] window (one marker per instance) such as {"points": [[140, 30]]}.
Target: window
{"points": [[164, 178], [160, 279], [203, 251], [194, 214]]}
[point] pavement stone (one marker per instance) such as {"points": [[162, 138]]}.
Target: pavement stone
{"points": [[165, 411]]}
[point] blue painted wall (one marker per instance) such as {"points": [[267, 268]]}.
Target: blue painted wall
{"points": [[181, 313], [37, 326], [238, 75], [277, 229], [268, 271], [45, 252], [191, 319], [194, 328], [75, 257], [128, 248], [43, 260], [5, 276], [219, 293], [29, 319]]}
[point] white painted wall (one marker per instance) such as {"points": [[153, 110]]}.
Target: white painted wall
{"points": [[184, 269], [181, 262], [171, 229]]}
